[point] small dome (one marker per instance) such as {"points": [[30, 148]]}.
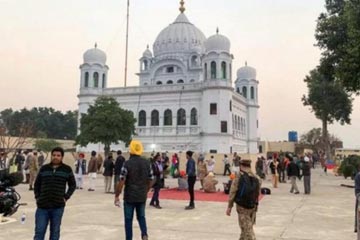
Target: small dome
{"points": [[95, 55], [179, 37], [217, 42], [147, 53], [246, 72]]}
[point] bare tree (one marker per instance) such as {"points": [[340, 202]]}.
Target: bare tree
{"points": [[9, 144]]}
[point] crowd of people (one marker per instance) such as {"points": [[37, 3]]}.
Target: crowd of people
{"points": [[137, 176]]}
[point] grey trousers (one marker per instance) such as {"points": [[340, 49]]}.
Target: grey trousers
{"points": [[307, 184], [293, 184], [108, 181]]}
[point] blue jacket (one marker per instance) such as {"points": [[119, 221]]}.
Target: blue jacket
{"points": [[190, 168], [357, 183]]}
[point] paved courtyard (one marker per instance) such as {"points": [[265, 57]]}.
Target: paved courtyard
{"points": [[328, 213]]}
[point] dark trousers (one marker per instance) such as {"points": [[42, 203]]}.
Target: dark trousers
{"points": [[42, 219], [116, 181], [282, 175], [356, 211], [307, 184], [191, 183], [227, 169], [155, 197], [129, 209]]}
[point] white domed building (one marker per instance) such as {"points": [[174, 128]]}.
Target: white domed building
{"points": [[186, 98]]}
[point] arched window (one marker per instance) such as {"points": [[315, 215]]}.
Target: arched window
{"points": [[86, 80], [181, 117], [158, 83], [193, 117], [167, 117], [223, 70], [244, 92], [142, 118], [103, 80], [230, 71], [155, 118], [252, 93], [235, 122], [239, 127], [169, 82], [180, 81], [194, 61], [145, 65], [238, 90], [213, 70], [96, 79], [206, 71]]}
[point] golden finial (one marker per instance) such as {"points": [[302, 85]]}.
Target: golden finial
{"points": [[182, 8]]}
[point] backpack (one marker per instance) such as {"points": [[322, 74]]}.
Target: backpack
{"points": [[265, 191], [247, 195]]}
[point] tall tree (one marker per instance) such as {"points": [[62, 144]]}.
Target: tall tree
{"points": [[107, 123], [338, 35], [328, 100]]}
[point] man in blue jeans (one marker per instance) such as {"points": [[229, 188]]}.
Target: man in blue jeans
{"points": [[137, 176], [51, 194]]}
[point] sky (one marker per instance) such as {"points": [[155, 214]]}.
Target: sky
{"points": [[42, 43]]}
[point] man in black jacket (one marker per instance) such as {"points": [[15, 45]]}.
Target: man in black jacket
{"points": [[137, 176], [51, 194], [293, 172]]}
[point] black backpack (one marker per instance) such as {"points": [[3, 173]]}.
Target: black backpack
{"points": [[247, 195]]}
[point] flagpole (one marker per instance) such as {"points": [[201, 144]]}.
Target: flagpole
{"points": [[127, 42]]}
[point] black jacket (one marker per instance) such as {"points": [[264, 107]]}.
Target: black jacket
{"points": [[50, 186], [138, 174], [306, 169], [108, 168], [293, 170], [119, 163]]}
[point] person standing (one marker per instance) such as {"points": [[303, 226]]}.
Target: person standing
{"points": [[119, 163], [33, 168], [210, 164], [306, 172], [357, 195], [191, 174], [226, 165], [274, 172], [136, 175], [293, 172], [92, 170], [158, 172], [80, 170], [3, 161], [246, 207], [99, 162], [41, 159], [108, 173], [202, 170], [54, 186], [19, 161]]}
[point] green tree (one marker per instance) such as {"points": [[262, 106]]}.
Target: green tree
{"points": [[329, 102], [107, 123], [338, 35], [46, 145], [46, 122]]}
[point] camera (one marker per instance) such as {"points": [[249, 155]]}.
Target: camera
{"points": [[9, 198]]}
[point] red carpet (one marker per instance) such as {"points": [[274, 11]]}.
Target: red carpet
{"points": [[174, 194]]}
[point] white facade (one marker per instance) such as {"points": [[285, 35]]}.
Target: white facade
{"points": [[185, 98]]}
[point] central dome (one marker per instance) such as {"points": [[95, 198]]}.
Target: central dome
{"points": [[179, 37]]}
